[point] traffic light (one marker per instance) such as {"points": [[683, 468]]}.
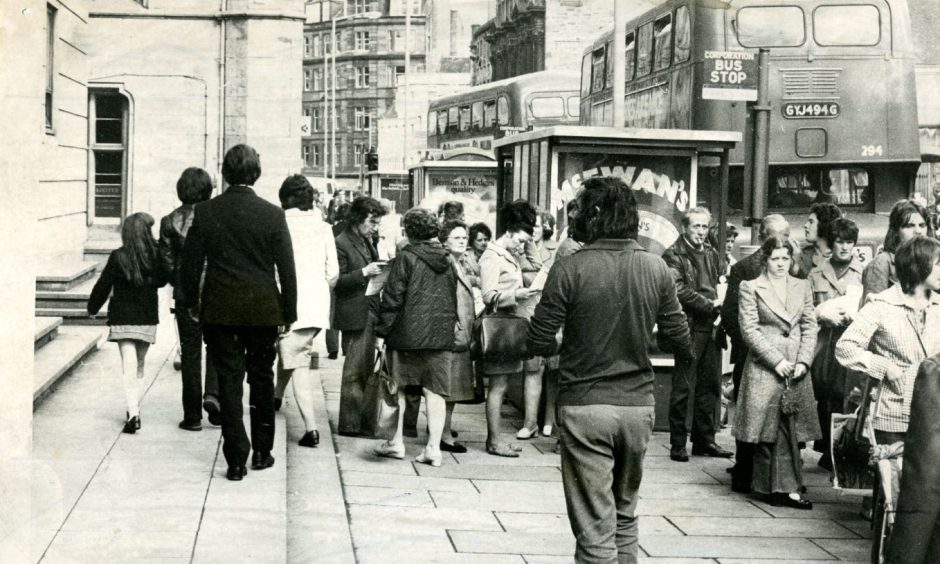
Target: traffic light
{"points": [[372, 159]]}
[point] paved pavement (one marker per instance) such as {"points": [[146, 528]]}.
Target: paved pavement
{"points": [[161, 495]]}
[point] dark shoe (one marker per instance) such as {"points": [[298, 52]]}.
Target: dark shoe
{"points": [[310, 439], [825, 462], [211, 405], [277, 404], [188, 425], [236, 473], [711, 450], [410, 432], [332, 355], [679, 454], [456, 447], [740, 486], [453, 434], [784, 500], [261, 460], [132, 425]]}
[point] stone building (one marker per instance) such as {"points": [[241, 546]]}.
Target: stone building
{"points": [[369, 64]]}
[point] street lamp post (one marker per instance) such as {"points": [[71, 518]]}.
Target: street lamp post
{"points": [[404, 93]]}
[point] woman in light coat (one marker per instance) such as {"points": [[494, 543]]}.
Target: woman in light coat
{"points": [[778, 324], [503, 288], [317, 268]]}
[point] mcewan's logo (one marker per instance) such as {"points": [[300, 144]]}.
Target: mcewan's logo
{"points": [[638, 179]]}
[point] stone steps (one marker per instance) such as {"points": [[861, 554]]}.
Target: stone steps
{"points": [[64, 275], [59, 355], [45, 329], [98, 250], [70, 304]]}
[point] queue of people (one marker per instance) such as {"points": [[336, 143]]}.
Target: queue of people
{"points": [[257, 283]]}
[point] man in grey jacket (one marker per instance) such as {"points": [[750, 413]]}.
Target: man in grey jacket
{"points": [[605, 398]]}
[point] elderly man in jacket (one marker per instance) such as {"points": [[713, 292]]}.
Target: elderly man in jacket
{"points": [[694, 265], [605, 397]]}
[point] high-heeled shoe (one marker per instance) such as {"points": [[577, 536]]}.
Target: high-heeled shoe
{"points": [[310, 439], [132, 425], [547, 431], [425, 458], [787, 500], [527, 433]]}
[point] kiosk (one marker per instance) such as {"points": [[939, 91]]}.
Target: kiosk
{"points": [[662, 166], [392, 186], [466, 175]]}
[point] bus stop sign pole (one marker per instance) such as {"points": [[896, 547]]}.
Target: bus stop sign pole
{"points": [[761, 145]]}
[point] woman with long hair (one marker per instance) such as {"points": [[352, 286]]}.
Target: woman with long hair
{"points": [[504, 290], [908, 219], [776, 408], [131, 278], [816, 229]]}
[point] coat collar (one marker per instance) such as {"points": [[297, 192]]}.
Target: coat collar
{"points": [[895, 296], [503, 253], [461, 275], [239, 189], [789, 311], [826, 270], [361, 245], [614, 245]]}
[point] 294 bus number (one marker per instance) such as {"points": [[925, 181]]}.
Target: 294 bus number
{"points": [[872, 151], [797, 110]]}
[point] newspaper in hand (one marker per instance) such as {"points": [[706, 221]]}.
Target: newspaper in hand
{"points": [[538, 283], [377, 282]]}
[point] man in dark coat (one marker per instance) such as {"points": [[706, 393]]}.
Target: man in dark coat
{"points": [[694, 265], [353, 311], [745, 269], [244, 245], [606, 298]]}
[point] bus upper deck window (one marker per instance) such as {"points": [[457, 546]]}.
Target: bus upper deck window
{"points": [[662, 42], [574, 106], [644, 51], [683, 34], [441, 121], [829, 25], [770, 26], [502, 110], [452, 119], [629, 56], [432, 123], [476, 116], [597, 72], [464, 117], [489, 113], [586, 74], [547, 107]]}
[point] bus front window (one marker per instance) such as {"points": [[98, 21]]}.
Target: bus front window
{"points": [[545, 107], [489, 113], [502, 110], [441, 122], [770, 26], [464, 118], [792, 187], [829, 25]]}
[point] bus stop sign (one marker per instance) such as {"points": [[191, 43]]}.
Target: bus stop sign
{"points": [[730, 75]]}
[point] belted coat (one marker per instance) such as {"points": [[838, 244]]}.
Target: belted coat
{"points": [[774, 330]]}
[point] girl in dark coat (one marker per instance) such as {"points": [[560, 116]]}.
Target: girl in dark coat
{"points": [[131, 278]]}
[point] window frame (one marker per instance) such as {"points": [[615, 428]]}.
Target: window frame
{"points": [[49, 100], [503, 111], [476, 115], [308, 80], [362, 40], [95, 148], [647, 31], [629, 56], [668, 42], [675, 35], [828, 6], [737, 26], [363, 76]]}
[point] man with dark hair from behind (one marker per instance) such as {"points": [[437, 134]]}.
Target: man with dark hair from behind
{"points": [[607, 297], [193, 186], [243, 244]]}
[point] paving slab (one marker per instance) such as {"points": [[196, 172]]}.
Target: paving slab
{"points": [[495, 502], [402, 521], [409, 482], [699, 507], [558, 524], [512, 542], [492, 472], [366, 495], [761, 527], [730, 547], [105, 546], [835, 511], [846, 549]]}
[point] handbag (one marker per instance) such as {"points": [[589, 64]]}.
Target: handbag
{"points": [[789, 402], [500, 337]]}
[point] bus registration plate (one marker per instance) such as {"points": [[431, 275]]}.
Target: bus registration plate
{"points": [[805, 110]]}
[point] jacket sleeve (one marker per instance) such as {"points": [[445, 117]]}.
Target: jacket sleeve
{"points": [[691, 300], [531, 263], [550, 314], [852, 349], [286, 271], [748, 318], [729, 308], [809, 329], [350, 279], [101, 291], [167, 249], [919, 502], [393, 295], [490, 269], [671, 322], [193, 262], [875, 277], [332, 264]]}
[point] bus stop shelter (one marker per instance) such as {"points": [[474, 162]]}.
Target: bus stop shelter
{"points": [[466, 175], [662, 166]]}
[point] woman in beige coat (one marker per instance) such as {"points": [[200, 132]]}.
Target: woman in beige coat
{"points": [[778, 324]]}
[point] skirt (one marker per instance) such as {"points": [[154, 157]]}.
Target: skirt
{"points": [[144, 333], [446, 373]]}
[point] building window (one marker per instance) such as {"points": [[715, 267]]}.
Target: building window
{"points": [[308, 48], [358, 150], [50, 63], [307, 79], [107, 112], [327, 43], [305, 152], [362, 40], [358, 6], [395, 72], [363, 119], [315, 45], [316, 156], [317, 80], [316, 120], [394, 40], [362, 77]]}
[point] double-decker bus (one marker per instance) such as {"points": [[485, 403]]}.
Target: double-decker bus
{"points": [[843, 123], [476, 116]]}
